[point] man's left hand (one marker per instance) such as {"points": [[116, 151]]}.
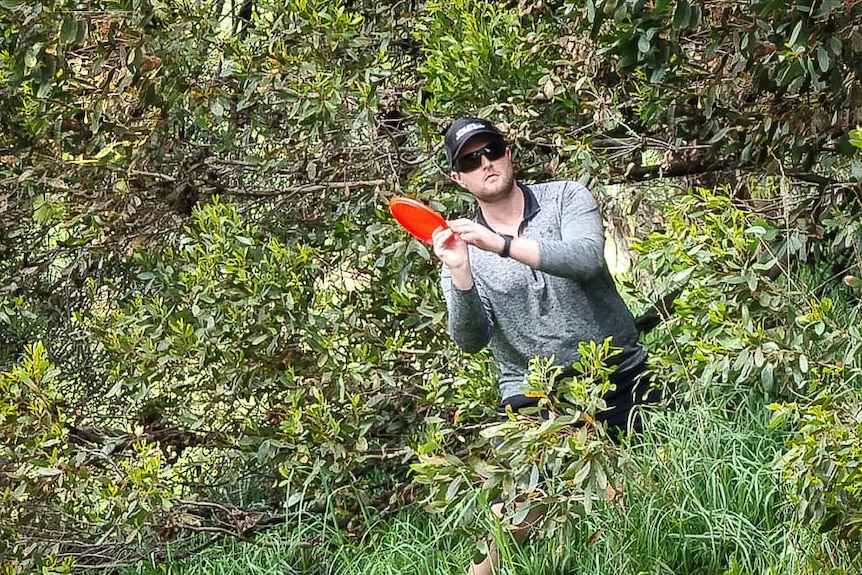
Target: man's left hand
{"points": [[477, 235]]}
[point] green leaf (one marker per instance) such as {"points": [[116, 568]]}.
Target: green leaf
{"points": [[682, 15], [582, 473], [30, 59], [794, 36], [44, 89], [644, 45], [452, 491], [83, 31], [521, 514], [767, 376], [293, 499], [601, 477], [591, 10], [69, 31], [697, 16], [822, 59], [534, 478]]}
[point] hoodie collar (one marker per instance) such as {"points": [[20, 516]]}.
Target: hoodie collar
{"points": [[531, 207]]}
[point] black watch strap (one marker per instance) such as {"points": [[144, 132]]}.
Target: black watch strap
{"points": [[506, 246]]}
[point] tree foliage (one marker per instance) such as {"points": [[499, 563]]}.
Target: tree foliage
{"points": [[52, 487], [739, 335], [194, 228]]}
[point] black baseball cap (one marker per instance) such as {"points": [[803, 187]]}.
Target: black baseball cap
{"points": [[462, 130]]}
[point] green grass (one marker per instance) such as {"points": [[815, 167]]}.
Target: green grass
{"points": [[703, 498], [410, 543]]}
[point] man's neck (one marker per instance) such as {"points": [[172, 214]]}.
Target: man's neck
{"points": [[505, 216]]}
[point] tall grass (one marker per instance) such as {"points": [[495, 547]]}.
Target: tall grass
{"points": [[410, 543], [702, 498]]}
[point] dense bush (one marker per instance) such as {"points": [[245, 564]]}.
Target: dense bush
{"points": [[743, 333], [112, 496], [194, 227]]}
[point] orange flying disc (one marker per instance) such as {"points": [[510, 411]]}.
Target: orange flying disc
{"points": [[416, 217]]}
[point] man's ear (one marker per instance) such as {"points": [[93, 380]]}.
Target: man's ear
{"points": [[456, 177]]}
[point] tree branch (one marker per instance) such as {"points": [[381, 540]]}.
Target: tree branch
{"points": [[675, 170], [306, 188]]}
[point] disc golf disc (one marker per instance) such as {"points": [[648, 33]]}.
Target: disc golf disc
{"points": [[416, 217]]}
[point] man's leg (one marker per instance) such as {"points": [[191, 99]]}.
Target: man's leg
{"points": [[489, 565]]}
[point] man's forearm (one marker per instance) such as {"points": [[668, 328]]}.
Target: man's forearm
{"points": [[469, 323], [525, 250], [462, 277], [578, 259]]}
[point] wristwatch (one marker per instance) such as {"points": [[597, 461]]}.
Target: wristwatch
{"points": [[508, 244]]}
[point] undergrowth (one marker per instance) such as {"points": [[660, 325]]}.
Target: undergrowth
{"points": [[702, 497]]}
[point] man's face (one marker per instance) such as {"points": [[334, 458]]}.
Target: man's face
{"points": [[494, 179]]}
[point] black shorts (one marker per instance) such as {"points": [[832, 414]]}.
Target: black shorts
{"points": [[631, 387]]}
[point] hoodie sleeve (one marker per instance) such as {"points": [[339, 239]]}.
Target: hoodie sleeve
{"points": [[470, 323], [579, 253]]}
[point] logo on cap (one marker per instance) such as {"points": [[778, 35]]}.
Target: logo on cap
{"points": [[468, 128]]}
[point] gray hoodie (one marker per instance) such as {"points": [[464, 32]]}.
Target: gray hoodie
{"points": [[522, 313]]}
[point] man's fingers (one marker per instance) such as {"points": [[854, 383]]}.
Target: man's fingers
{"points": [[476, 234], [462, 225], [441, 235]]}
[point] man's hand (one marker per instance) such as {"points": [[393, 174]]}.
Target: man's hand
{"points": [[477, 235], [524, 250], [452, 251], [450, 248]]}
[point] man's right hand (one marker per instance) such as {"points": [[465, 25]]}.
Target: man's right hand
{"points": [[452, 251]]}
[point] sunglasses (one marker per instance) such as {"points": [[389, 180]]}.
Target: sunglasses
{"points": [[471, 161]]}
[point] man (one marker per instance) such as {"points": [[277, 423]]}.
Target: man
{"points": [[528, 277]]}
